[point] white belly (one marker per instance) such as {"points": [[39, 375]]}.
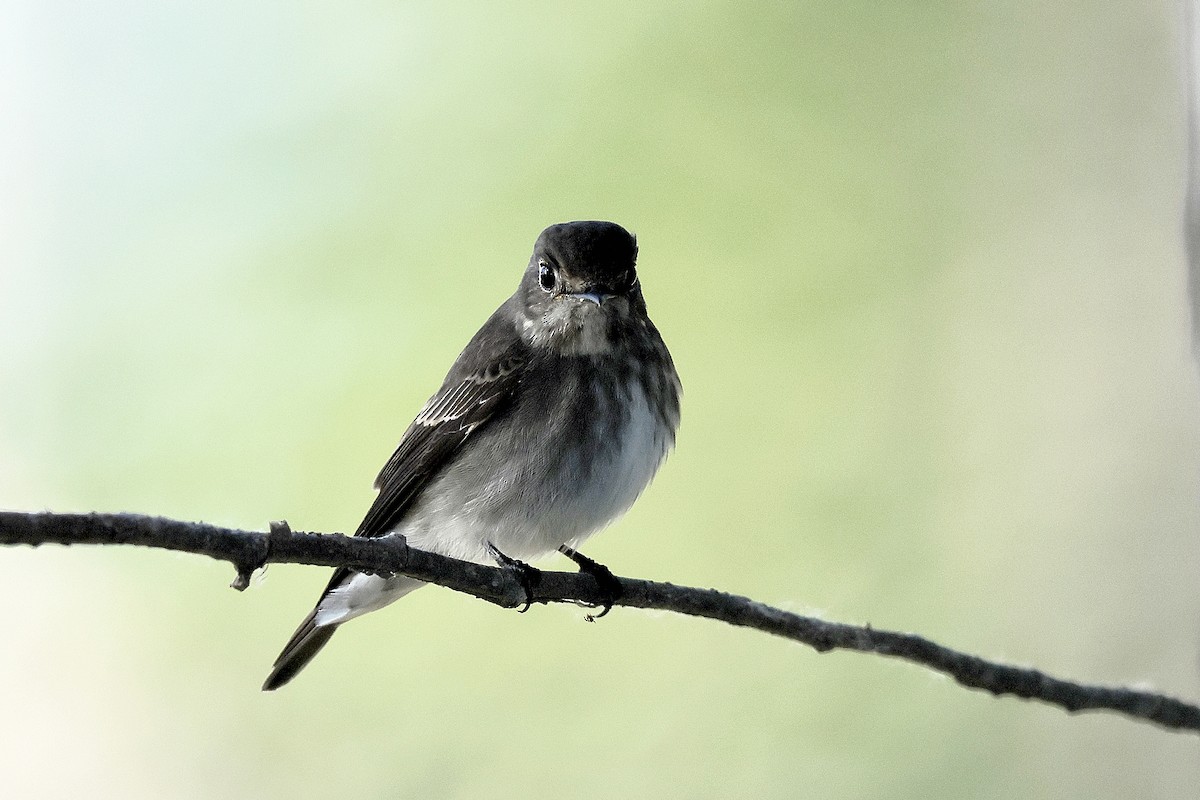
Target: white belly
{"points": [[527, 507]]}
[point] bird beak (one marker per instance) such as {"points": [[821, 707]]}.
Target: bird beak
{"points": [[592, 297]]}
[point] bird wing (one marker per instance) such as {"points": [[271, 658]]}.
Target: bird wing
{"points": [[468, 399], [481, 386]]}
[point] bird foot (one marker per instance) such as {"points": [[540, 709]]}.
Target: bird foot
{"points": [[610, 587], [527, 575]]}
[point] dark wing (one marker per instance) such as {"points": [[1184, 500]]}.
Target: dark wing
{"points": [[467, 399], [480, 387], [464, 402]]}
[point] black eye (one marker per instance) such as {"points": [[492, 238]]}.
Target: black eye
{"points": [[546, 277]]}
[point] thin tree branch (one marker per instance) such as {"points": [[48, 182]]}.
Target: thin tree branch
{"points": [[249, 550]]}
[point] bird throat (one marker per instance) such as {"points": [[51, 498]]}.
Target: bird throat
{"points": [[571, 328]]}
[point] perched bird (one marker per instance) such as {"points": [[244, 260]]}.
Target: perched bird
{"points": [[549, 425]]}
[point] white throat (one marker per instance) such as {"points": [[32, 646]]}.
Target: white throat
{"points": [[570, 327]]}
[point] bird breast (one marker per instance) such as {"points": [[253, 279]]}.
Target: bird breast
{"points": [[574, 456]]}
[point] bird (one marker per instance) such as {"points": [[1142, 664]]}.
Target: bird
{"points": [[547, 427]]}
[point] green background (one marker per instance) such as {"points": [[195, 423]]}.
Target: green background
{"points": [[920, 268]]}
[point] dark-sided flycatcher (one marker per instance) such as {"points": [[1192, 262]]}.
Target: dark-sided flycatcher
{"points": [[549, 425]]}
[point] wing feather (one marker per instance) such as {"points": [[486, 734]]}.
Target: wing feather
{"points": [[458, 409]]}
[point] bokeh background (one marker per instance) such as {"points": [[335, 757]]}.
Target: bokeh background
{"points": [[920, 268]]}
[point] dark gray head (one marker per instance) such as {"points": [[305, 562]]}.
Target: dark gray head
{"points": [[581, 280], [597, 258]]}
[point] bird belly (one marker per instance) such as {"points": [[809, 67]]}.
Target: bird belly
{"points": [[537, 495]]}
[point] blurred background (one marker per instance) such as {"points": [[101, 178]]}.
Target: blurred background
{"points": [[920, 268]]}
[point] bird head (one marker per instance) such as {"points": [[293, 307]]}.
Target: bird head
{"points": [[581, 282]]}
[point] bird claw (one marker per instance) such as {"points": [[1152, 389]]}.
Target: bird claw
{"points": [[527, 575], [609, 585]]}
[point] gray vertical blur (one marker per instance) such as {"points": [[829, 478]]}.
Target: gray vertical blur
{"points": [[1192, 209]]}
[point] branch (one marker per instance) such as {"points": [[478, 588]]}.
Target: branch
{"points": [[249, 550]]}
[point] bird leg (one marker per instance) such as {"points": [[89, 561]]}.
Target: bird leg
{"points": [[527, 575], [610, 588]]}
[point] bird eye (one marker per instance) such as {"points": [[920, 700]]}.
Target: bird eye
{"points": [[546, 277]]}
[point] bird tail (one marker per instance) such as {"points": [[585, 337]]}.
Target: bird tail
{"points": [[305, 643], [348, 595]]}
